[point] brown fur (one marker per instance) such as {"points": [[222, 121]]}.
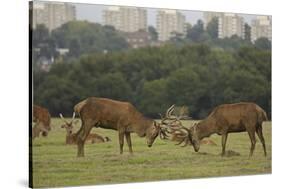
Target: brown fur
{"points": [[231, 118], [91, 138], [71, 139], [111, 114], [42, 119]]}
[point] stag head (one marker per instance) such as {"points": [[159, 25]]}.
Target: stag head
{"points": [[68, 125], [194, 138], [152, 133]]}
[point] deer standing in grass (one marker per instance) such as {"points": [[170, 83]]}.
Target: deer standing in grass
{"points": [[225, 119], [116, 115], [42, 119]]}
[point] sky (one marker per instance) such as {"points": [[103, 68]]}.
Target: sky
{"points": [[93, 13]]}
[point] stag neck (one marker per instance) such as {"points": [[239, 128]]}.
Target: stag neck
{"points": [[142, 126], [205, 128]]}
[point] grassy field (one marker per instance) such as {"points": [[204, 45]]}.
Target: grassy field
{"points": [[56, 164]]}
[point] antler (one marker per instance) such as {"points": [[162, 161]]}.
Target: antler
{"points": [[172, 125], [73, 116], [61, 116]]}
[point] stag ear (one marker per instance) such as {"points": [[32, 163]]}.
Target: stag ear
{"points": [[63, 126]]}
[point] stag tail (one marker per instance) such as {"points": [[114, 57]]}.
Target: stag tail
{"points": [[264, 116]]}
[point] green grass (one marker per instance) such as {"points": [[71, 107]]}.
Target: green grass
{"points": [[56, 164]]}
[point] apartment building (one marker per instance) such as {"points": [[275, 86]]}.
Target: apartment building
{"points": [[261, 27], [126, 19], [230, 24], [52, 14], [168, 23]]}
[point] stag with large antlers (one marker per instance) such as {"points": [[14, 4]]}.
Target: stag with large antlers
{"points": [[224, 119], [116, 115], [231, 118], [70, 136]]}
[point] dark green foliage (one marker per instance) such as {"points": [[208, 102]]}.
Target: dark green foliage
{"points": [[197, 76], [212, 28], [84, 37], [247, 28], [80, 37], [195, 33], [153, 33], [263, 43]]}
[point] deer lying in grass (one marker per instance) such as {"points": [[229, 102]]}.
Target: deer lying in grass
{"points": [[71, 139], [178, 137]]}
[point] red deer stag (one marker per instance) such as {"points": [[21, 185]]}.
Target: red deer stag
{"points": [[70, 138], [42, 119], [111, 114], [231, 118]]}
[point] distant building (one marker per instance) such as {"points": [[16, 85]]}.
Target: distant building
{"points": [[261, 27], [126, 19], [138, 39], [169, 22], [230, 24], [52, 15], [208, 16]]}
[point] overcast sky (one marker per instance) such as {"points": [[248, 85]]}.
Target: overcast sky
{"points": [[93, 13]]}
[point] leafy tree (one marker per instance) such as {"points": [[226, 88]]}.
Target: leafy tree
{"points": [[154, 98], [111, 85], [153, 33], [196, 31], [263, 43], [247, 28], [82, 37], [197, 76], [212, 28]]}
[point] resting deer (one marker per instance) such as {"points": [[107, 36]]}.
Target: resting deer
{"points": [[178, 137], [71, 139]]}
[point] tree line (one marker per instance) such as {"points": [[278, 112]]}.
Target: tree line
{"points": [[82, 37], [198, 76]]}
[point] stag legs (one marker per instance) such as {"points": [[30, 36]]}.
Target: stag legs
{"points": [[223, 143], [129, 142], [121, 141], [35, 132], [253, 142], [81, 138], [260, 135]]}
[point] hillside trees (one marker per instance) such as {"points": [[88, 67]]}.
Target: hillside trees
{"points": [[153, 78]]}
